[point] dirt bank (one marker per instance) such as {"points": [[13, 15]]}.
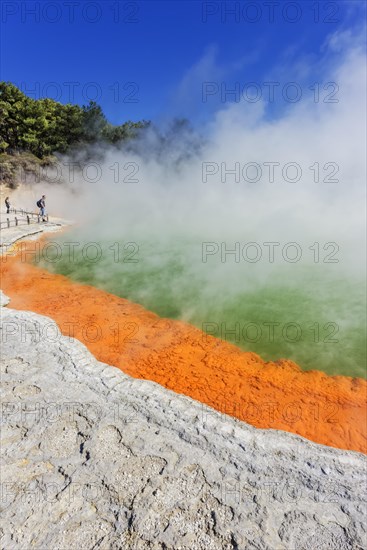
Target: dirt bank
{"points": [[325, 409]]}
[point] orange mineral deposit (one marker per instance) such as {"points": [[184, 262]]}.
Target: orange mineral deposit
{"points": [[326, 409]]}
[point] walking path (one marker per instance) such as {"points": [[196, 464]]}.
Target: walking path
{"points": [[13, 233]]}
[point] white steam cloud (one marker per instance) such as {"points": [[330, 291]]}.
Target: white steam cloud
{"points": [[185, 196], [200, 198]]}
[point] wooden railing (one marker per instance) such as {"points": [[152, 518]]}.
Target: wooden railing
{"points": [[27, 219]]}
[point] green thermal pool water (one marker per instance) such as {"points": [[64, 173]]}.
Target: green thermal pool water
{"points": [[307, 313]]}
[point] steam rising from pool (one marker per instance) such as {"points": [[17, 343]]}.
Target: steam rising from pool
{"points": [[253, 231]]}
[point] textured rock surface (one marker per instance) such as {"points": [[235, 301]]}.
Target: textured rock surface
{"points": [[95, 459], [4, 300]]}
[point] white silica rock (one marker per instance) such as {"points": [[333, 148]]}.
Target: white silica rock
{"points": [[4, 300], [92, 458]]}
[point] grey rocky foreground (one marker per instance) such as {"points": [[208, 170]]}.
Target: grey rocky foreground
{"points": [[92, 458]]}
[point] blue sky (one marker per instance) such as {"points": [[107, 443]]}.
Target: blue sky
{"points": [[151, 59]]}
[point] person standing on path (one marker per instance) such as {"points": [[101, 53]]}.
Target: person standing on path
{"points": [[7, 204], [42, 206]]}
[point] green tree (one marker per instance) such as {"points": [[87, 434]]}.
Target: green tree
{"points": [[45, 126]]}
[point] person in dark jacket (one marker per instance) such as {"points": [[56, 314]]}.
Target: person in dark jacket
{"points": [[42, 206], [7, 204]]}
